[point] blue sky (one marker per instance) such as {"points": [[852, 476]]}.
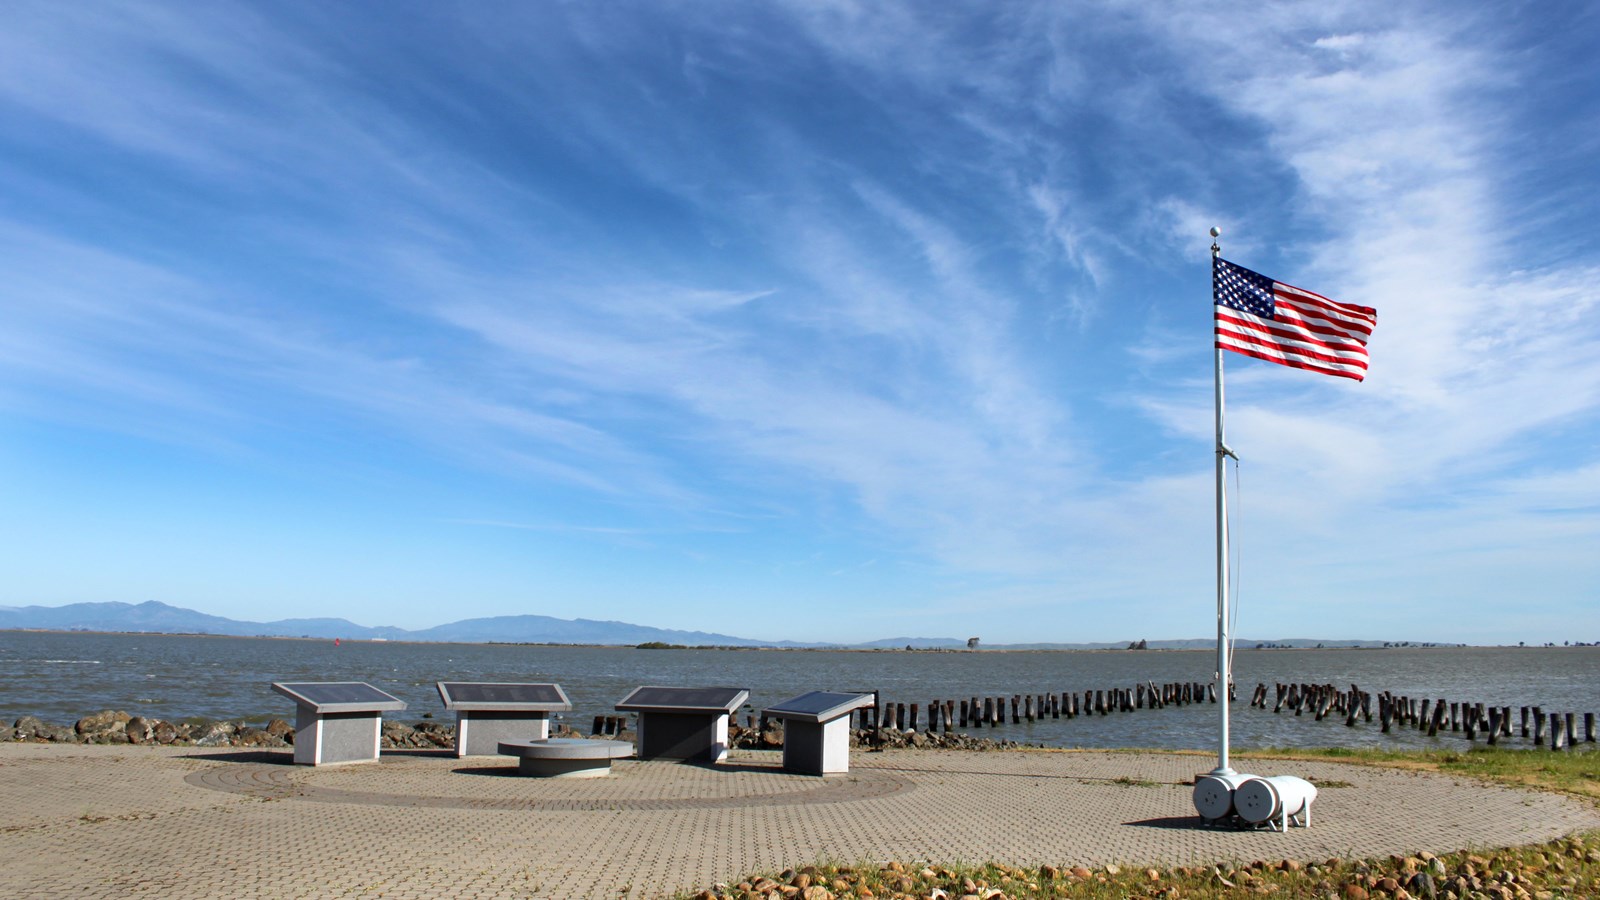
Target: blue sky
{"points": [[811, 320]]}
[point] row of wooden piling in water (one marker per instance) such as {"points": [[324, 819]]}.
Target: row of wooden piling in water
{"points": [[1428, 714], [990, 712], [1393, 711]]}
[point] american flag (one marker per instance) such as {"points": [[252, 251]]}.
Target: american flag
{"points": [[1281, 323]]}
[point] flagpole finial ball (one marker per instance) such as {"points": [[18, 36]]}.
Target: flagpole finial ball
{"points": [[1215, 231]]}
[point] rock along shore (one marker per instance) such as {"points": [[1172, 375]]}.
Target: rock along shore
{"points": [[117, 727]]}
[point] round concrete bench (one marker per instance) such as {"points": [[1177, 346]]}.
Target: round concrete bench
{"points": [[565, 757]]}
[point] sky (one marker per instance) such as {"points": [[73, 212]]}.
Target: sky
{"points": [[814, 320]]}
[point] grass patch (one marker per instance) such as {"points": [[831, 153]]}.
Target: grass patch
{"points": [[1569, 772], [1566, 868]]}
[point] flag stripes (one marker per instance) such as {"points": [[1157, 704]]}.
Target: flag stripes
{"points": [[1280, 323]]}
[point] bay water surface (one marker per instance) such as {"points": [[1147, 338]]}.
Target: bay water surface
{"points": [[62, 676]]}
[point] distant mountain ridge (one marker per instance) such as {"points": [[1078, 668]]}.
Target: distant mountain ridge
{"points": [[155, 616]]}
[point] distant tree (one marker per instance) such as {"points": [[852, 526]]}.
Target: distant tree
{"points": [[972, 643]]}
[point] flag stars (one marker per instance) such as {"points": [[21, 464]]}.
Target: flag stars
{"points": [[1242, 289]]}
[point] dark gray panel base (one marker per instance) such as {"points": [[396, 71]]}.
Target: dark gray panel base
{"points": [[688, 737], [803, 747]]}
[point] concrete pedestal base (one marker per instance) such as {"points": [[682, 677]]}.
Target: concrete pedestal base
{"points": [[816, 748], [687, 736], [324, 739], [480, 731]]}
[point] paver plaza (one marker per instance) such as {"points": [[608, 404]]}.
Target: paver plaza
{"points": [[114, 821]]}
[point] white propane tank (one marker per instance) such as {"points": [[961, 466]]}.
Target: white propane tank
{"points": [[1279, 797], [1213, 794]]}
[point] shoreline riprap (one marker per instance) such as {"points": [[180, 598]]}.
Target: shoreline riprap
{"points": [[118, 727]]}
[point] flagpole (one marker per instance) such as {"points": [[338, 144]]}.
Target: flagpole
{"points": [[1222, 451]]}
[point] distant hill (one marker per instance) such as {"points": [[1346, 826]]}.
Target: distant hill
{"points": [[919, 643], [550, 630], [154, 616], [157, 617]]}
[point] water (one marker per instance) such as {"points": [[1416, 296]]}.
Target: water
{"points": [[63, 676]]}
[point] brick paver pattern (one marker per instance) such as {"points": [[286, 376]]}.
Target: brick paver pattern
{"points": [[107, 821]]}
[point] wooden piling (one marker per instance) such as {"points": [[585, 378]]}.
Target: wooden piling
{"points": [[1538, 727], [1558, 731], [949, 714], [1572, 729], [1524, 721], [1588, 727]]}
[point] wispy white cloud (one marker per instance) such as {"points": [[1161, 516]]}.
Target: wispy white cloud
{"points": [[927, 273]]}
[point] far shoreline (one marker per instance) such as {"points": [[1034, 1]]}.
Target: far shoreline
{"points": [[1001, 648]]}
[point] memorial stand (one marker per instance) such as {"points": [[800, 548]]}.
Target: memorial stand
{"points": [[816, 730], [489, 713], [337, 721], [683, 723]]}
